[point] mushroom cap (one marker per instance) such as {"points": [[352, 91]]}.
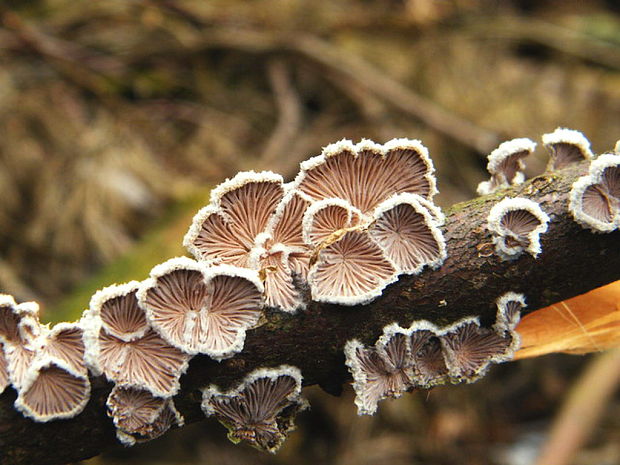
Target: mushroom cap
{"points": [[507, 159], [19, 332], [366, 174], [327, 218], [429, 366], [506, 164], [117, 308], [140, 416], [225, 230], [272, 263], [394, 347], [148, 362], [595, 199], [261, 409], [469, 349], [566, 146], [200, 309], [353, 270], [64, 342], [517, 224], [285, 225], [381, 372], [408, 234], [51, 390], [19, 324], [509, 306]]}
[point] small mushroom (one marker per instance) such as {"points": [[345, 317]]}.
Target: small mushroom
{"points": [[202, 310], [118, 311], [408, 234], [261, 409], [516, 224], [64, 342], [506, 165], [275, 270], [509, 307], [19, 332], [366, 174], [566, 146], [140, 416], [595, 198], [352, 270], [383, 371], [429, 364], [125, 348], [224, 231], [52, 390], [281, 256], [469, 349]]}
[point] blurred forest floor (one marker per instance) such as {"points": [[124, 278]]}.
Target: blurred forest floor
{"points": [[117, 117]]}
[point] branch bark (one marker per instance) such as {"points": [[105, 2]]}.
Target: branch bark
{"points": [[573, 261]]}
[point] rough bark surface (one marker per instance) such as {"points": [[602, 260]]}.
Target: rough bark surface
{"points": [[573, 261]]}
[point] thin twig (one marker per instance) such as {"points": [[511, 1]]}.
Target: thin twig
{"points": [[582, 410]]}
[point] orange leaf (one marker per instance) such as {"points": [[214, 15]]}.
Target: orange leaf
{"points": [[587, 323]]}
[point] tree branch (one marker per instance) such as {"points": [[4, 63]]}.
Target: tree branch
{"points": [[573, 261]]}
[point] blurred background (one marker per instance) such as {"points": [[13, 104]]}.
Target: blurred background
{"points": [[117, 118]]}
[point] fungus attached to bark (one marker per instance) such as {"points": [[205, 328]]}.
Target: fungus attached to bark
{"points": [[595, 198], [125, 348], [350, 271], [408, 234], [116, 307], [19, 332], [65, 342], [469, 349], [52, 390], [225, 230], [140, 416], [366, 174], [261, 409], [428, 361], [509, 307], [281, 256], [383, 371], [566, 146], [516, 224], [506, 165], [285, 228], [202, 309]]}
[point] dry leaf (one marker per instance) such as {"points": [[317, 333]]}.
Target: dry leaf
{"points": [[586, 323]]}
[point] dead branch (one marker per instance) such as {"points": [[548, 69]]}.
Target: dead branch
{"points": [[573, 261]]}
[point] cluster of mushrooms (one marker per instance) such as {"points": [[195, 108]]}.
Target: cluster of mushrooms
{"points": [[354, 219]]}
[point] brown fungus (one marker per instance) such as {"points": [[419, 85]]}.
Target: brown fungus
{"points": [[566, 146], [516, 224], [261, 409], [224, 232], [469, 349], [595, 199], [506, 165], [140, 416], [123, 346], [19, 333], [367, 174], [52, 390], [383, 371], [350, 271], [201, 309], [408, 234]]}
